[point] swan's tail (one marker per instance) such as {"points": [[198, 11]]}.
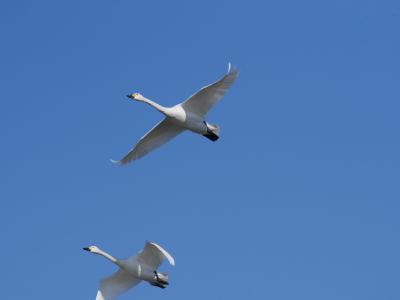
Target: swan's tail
{"points": [[161, 280], [214, 128], [162, 277], [212, 132]]}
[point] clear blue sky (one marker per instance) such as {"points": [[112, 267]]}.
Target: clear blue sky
{"points": [[299, 199]]}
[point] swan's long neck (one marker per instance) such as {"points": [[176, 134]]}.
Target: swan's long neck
{"points": [[159, 107], [106, 255]]}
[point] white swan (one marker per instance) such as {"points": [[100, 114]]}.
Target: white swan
{"points": [[133, 270], [188, 115]]}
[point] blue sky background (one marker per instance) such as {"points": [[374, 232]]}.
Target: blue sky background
{"points": [[299, 199]]}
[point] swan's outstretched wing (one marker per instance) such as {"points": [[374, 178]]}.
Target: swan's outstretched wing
{"points": [[116, 284], [201, 102], [157, 136], [153, 255]]}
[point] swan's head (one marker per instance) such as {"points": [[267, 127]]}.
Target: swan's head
{"points": [[136, 96], [92, 249]]}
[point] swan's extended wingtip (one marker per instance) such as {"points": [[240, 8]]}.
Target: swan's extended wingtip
{"points": [[117, 162], [232, 70], [168, 256], [172, 262], [170, 259]]}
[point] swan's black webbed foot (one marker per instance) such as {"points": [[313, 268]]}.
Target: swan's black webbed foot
{"points": [[157, 285], [211, 136], [159, 279]]}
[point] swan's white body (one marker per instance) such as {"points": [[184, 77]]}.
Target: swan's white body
{"points": [[133, 270], [188, 115]]}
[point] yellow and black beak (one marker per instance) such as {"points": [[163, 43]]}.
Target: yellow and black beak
{"points": [[130, 96], [86, 248]]}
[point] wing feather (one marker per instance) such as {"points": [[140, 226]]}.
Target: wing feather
{"points": [[116, 284], [203, 100], [153, 255], [157, 136]]}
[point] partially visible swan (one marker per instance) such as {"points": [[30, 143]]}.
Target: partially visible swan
{"points": [[188, 115], [133, 270]]}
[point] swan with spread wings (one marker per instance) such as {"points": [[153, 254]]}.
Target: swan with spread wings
{"points": [[188, 115], [133, 270]]}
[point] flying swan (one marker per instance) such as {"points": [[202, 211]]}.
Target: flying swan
{"points": [[188, 115], [133, 270]]}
